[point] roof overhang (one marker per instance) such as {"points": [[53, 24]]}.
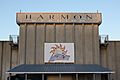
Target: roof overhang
{"points": [[59, 69], [59, 72]]}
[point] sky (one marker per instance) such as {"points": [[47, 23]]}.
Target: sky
{"points": [[109, 8]]}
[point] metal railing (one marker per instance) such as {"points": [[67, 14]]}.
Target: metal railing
{"points": [[104, 39], [14, 40]]}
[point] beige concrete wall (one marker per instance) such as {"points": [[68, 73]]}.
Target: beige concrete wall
{"points": [[33, 37], [61, 77], [67, 77], [14, 58], [8, 58], [60, 33], [22, 44], [40, 38], [86, 77], [110, 57], [30, 44], [73, 77], [53, 77], [1, 51]]}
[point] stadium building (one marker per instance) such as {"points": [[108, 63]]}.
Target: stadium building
{"points": [[59, 46]]}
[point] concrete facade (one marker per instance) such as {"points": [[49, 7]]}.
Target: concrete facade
{"points": [[8, 58], [82, 29], [78, 28], [109, 57], [84, 36]]}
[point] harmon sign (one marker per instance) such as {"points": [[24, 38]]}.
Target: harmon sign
{"points": [[59, 18]]}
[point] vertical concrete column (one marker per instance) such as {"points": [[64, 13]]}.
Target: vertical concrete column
{"points": [[96, 46], [9, 78], [54, 32], [77, 76], [60, 76], [42, 76], [88, 44], [1, 58], [22, 44], [35, 42], [78, 44], [30, 44], [69, 33], [40, 39], [50, 33], [25, 76], [59, 33], [83, 42], [94, 78], [109, 76]]}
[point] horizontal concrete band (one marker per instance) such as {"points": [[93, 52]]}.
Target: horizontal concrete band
{"points": [[59, 18]]}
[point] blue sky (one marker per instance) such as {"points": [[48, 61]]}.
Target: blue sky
{"points": [[109, 9]]}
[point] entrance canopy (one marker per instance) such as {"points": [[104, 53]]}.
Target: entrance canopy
{"points": [[58, 69]]}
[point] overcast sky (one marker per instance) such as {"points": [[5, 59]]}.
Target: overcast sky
{"points": [[110, 10]]}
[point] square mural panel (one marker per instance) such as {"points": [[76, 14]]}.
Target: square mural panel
{"points": [[59, 52]]}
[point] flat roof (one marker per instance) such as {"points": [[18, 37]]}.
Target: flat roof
{"points": [[58, 68]]}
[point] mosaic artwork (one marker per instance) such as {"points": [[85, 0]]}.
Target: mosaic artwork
{"points": [[59, 52]]}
